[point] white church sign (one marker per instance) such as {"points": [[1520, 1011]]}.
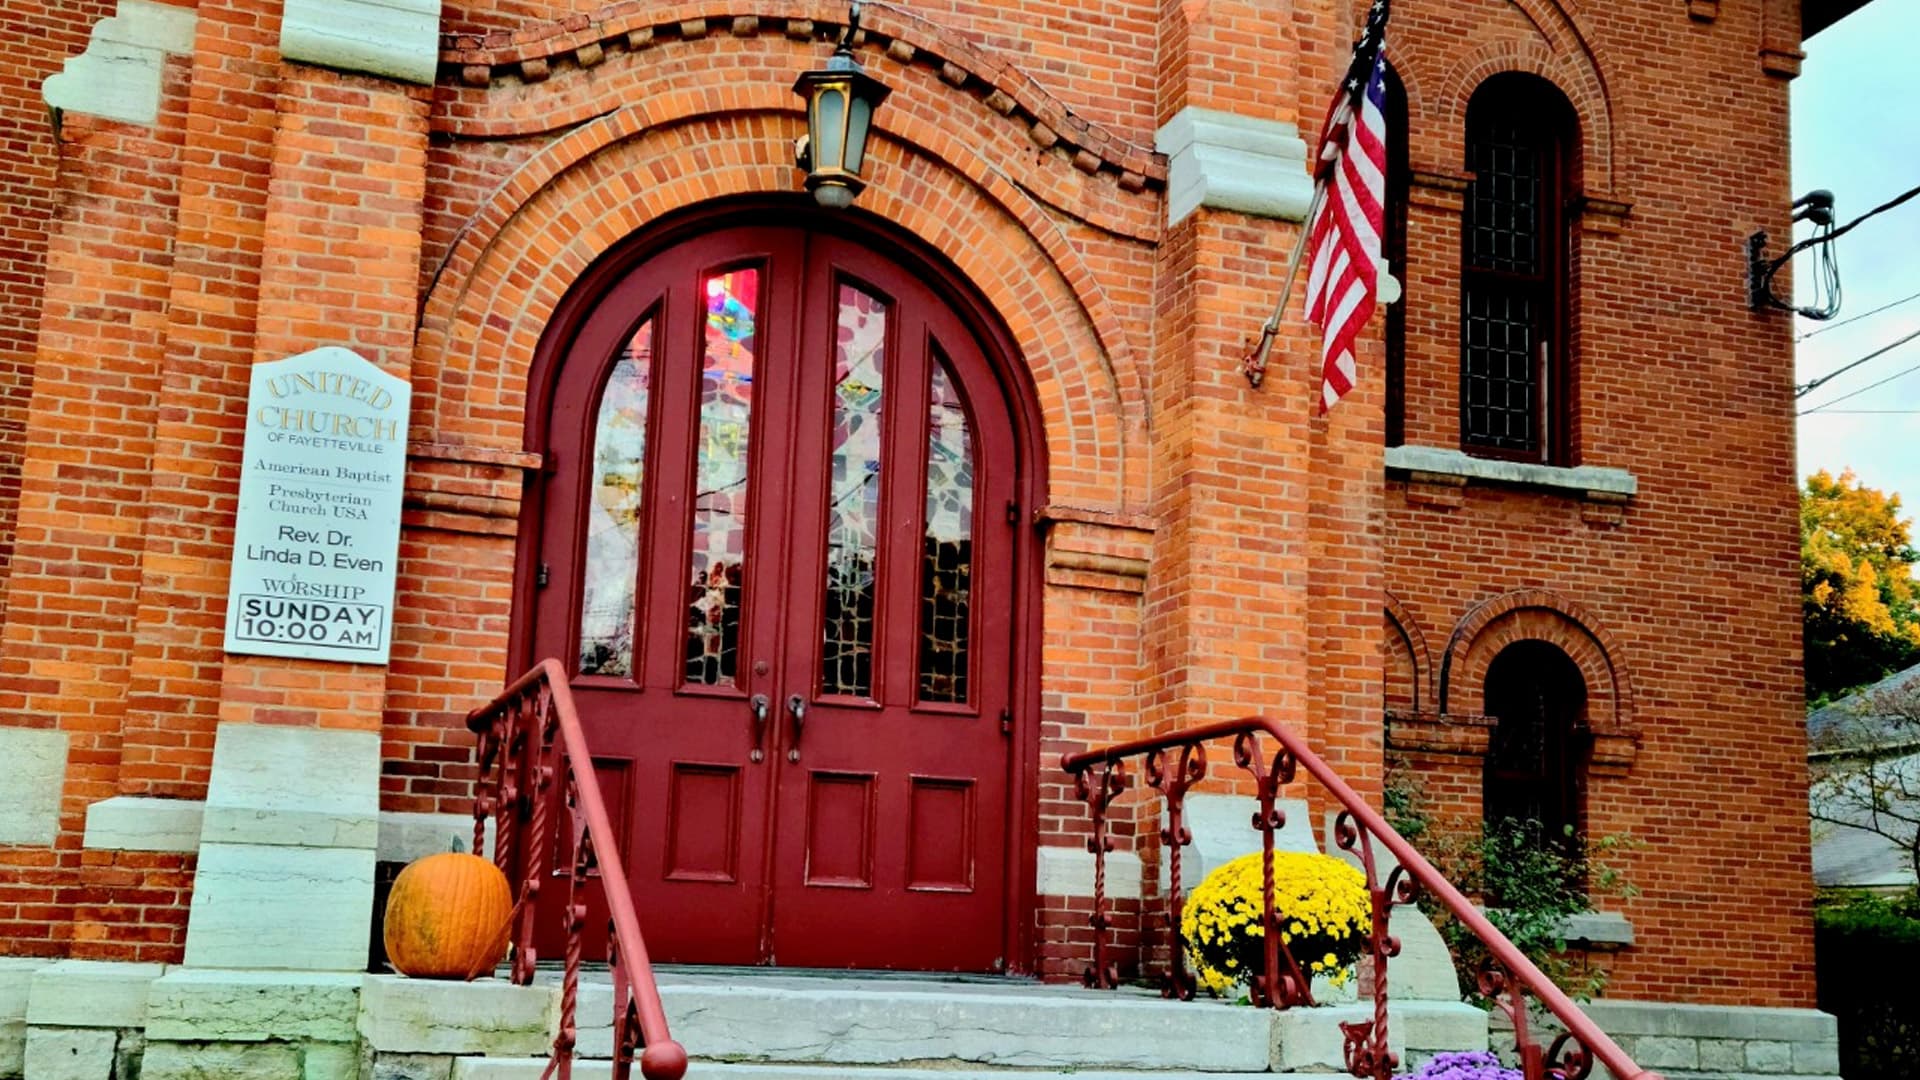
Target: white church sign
{"points": [[318, 532]]}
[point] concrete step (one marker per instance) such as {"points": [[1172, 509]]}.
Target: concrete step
{"points": [[740, 1016], [530, 1068]]}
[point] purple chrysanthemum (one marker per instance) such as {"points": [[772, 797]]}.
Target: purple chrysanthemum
{"points": [[1469, 1065]]}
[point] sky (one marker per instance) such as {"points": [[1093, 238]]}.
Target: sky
{"points": [[1856, 132]]}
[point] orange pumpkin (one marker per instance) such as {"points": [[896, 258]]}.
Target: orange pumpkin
{"points": [[448, 917]]}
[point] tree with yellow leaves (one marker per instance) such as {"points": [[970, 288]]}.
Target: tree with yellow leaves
{"points": [[1862, 619]]}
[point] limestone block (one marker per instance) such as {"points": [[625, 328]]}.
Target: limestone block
{"points": [[1449, 462], [486, 1016], [118, 76], [1224, 161], [1768, 1056], [222, 1061], [1666, 1052], [31, 784], [1619, 1018], [307, 787], [415, 1067], [141, 823], [330, 1061], [405, 837], [1729, 1055], [58, 1053], [884, 1022], [1066, 871], [13, 1049], [1816, 1058], [1424, 969], [16, 980], [396, 38], [1222, 827], [91, 994], [213, 1005], [295, 908]]}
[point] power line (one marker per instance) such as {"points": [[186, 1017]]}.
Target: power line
{"points": [[1870, 412], [1829, 237], [1808, 388], [1862, 390], [1817, 331]]}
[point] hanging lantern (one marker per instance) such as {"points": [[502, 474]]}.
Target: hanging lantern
{"points": [[840, 101]]}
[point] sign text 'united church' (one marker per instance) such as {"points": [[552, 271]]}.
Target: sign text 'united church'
{"points": [[318, 531]]}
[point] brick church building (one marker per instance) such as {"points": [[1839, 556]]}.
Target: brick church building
{"points": [[849, 521]]}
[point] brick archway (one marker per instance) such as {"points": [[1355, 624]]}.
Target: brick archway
{"points": [[1407, 645], [1536, 615], [520, 254]]}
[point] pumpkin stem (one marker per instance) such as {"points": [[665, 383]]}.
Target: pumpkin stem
{"points": [[458, 845]]}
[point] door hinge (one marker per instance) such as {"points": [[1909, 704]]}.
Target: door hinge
{"points": [[1006, 721], [542, 576], [1013, 512]]}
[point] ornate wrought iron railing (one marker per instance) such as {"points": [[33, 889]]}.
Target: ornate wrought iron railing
{"points": [[534, 763], [1173, 763]]}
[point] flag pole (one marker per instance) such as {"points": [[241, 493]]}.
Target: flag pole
{"points": [[1254, 367]]}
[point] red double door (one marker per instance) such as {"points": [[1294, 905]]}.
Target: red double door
{"points": [[776, 551]]}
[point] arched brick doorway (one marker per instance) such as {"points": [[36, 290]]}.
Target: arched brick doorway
{"points": [[778, 541]]}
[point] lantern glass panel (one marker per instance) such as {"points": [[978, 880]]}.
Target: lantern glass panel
{"points": [[859, 117], [830, 127]]}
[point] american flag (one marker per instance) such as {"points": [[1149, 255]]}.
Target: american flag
{"points": [[1344, 235]]}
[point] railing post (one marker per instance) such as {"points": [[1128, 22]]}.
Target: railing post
{"points": [[1172, 785], [1103, 975], [1279, 987]]}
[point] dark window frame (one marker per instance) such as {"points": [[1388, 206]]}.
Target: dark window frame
{"points": [[1536, 116]]}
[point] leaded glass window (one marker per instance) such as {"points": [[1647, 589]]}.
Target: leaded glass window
{"points": [[853, 511], [715, 592], [946, 593], [613, 512]]}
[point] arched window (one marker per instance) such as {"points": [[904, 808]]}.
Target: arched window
{"points": [[1535, 760], [1513, 277], [1394, 248]]}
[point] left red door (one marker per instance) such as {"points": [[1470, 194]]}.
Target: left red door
{"points": [[778, 468]]}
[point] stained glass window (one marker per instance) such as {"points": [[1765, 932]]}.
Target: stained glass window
{"points": [[613, 512], [946, 589], [715, 592], [853, 513]]}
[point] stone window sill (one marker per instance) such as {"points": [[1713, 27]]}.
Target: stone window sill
{"points": [[1435, 477], [1597, 931]]}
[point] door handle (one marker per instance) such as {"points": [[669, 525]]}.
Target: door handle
{"points": [[797, 709], [760, 706]]}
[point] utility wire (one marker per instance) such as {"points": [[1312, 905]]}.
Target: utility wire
{"points": [[1871, 412], [1817, 331], [1829, 237], [1807, 388], [1862, 390]]}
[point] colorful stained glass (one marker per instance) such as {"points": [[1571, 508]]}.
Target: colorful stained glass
{"points": [[613, 512], [717, 573], [946, 590], [853, 515]]}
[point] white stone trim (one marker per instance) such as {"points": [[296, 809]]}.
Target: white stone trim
{"points": [[91, 994], [1587, 479], [118, 76], [1598, 929], [399, 39], [1066, 871], [293, 786], [1225, 161], [31, 784], [144, 823]]}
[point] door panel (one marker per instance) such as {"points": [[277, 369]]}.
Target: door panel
{"points": [[778, 468]]}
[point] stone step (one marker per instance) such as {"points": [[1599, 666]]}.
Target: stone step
{"points": [[530, 1069], [754, 1017]]}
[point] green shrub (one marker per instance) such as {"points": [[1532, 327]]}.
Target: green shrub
{"points": [[1865, 948]]}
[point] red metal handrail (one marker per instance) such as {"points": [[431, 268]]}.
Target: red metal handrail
{"points": [[533, 755], [1572, 1054]]}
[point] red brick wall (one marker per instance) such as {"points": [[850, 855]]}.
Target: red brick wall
{"points": [[1690, 586], [1209, 550]]}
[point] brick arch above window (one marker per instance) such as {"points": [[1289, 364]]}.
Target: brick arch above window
{"points": [[1538, 615], [1438, 92], [1405, 638], [521, 251]]}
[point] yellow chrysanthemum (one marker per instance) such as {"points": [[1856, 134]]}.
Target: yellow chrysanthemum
{"points": [[1320, 905]]}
